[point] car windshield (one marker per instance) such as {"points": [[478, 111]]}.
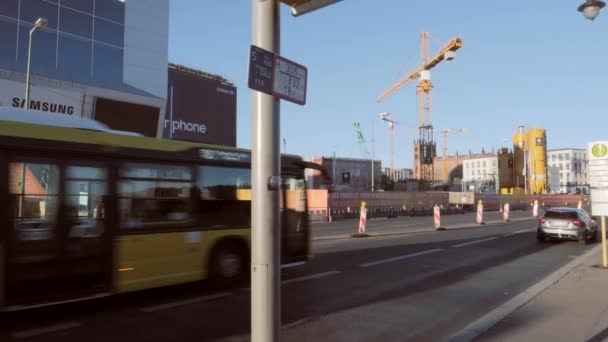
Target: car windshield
{"points": [[571, 215]]}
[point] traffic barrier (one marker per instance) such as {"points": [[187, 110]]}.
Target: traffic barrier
{"points": [[580, 204], [437, 217], [362, 222], [535, 208], [480, 212], [505, 212]]}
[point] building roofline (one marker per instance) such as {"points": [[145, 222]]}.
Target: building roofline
{"points": [[200, 73]]}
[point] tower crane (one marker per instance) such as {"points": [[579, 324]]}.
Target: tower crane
{"points": [[444, 135], [424, 147]]}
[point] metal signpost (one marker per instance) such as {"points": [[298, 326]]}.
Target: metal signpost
{"points": [[598, 180]]}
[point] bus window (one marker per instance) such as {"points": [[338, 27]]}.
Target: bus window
{"points": [[153, 196], [34, 189], [225, 197], [85, 193], [295, 192]]}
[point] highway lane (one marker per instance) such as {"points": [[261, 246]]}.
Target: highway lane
{"points": [[397, 287]]}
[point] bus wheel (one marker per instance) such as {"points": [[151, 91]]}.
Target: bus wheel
{"points": [[229, 265]]}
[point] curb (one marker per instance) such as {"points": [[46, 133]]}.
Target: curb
{"points": [[486, 322], [426, 230]]}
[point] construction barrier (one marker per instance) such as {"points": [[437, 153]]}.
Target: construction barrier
{"points": [[480, 212], [362, 219], [505, 212], [535, 208], [437, 217], [580, 204]]}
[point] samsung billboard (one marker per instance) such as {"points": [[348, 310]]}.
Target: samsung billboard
{"points": [[200, 108]]}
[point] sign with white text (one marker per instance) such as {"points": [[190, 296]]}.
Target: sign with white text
{"points": [[598, 177]]}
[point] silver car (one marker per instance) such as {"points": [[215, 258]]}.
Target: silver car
{"points": [[567, 224]]}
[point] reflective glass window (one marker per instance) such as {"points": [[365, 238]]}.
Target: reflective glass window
{"points": [[133, 170], [74, 58], [34, 188], [108, 32], [113, 10], [31, 10], [9, 8], [76, 23], [81, 5], [86, 190], [107, 65], [8, 37]]}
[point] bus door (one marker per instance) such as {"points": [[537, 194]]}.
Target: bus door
{"points": [[53, 248]]}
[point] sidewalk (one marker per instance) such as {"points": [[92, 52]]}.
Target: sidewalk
{"points": [[575, 308]]}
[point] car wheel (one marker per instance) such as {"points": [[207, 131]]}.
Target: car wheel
{"points": [[540, 237], [228, 265]]}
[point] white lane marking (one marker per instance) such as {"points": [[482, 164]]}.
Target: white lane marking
{"points": [[309, 277], [518, 232], [473, 242], [185, 302], [294, 264], [44, 330], [402, 257]]}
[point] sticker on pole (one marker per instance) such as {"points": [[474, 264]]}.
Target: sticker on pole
{"points": [[277, 76]]}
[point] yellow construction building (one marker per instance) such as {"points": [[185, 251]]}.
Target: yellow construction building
{"points": [[530, 160]]}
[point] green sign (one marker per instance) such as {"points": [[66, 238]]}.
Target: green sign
{"points": [[599, 150]]}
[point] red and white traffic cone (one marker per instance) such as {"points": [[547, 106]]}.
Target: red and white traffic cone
{"points": [[535, 208], [437, 218], [505, 212], [480, 212]]}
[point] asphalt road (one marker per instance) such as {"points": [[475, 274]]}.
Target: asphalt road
{"points": [[395, 286]]}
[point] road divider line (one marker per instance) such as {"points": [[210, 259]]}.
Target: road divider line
{"points": [[473, 242], [44, 330], [185, 302], [293, 264], [402, 257], [518, 232], [310, 277]]}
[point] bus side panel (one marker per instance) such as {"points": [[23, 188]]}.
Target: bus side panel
{"points": [[153, 260]]}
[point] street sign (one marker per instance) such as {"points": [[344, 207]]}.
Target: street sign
{"points": [[289, 80], [260, 69], [598, 177], [276, 75]]}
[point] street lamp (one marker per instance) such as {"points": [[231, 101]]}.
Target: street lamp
{"points": [[309, 6], [40, 23], [387, 117], [591, 8]]}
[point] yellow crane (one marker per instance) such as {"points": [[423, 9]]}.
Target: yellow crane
{"points": [[444, 135], [424, 148]]}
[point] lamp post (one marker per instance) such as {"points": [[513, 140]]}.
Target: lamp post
{"points": [[40, 23], [591, 8]]}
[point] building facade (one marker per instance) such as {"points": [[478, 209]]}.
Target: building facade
{"points": [[568, 170], [349, 174], [398, 175], [100, 59], [481, 173]]}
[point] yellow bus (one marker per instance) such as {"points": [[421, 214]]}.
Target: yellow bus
{"points": [[88, 212]]}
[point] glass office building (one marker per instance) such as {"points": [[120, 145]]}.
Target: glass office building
{"points": [[98, 57]]}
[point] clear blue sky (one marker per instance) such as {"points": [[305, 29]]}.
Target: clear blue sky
{"points": [[521, 64]]}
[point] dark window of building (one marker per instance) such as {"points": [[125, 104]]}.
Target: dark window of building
{"points": [[127, 116], [31, 10], [108, 32], [110, 9], [8, 37], [107, 65], [9, 8], [81, 5], [75, 58], [76, 23]]}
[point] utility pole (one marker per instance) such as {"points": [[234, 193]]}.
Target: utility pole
{"points": [[265, 177]]}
